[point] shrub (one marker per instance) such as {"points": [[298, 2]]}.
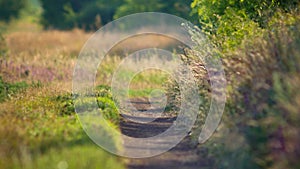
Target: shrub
{"points": [[229, 22]]}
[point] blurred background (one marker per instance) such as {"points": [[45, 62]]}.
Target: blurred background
{"points": [[86, 15]]}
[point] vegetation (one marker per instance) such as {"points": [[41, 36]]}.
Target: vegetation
{"points": [[179, 8], [43, 125], [263, 99], [259, 49], [230, 21], [7, 89], [257, 41], [11, 9], [39, 127], [68, 14], [92, 14]]}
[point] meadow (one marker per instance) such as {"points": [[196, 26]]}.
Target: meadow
{"points": [[39, 127], [37, 110]]}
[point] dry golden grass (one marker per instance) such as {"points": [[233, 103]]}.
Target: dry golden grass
{"points": [[50, 56], [42, 56], [46, 42]]}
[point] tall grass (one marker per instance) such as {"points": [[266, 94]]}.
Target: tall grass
{"points": [[260, 126], [39, 127], [41, 56]]}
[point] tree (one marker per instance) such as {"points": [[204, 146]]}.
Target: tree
{"points": [[179, 8], [67, 14], [258, 11], [97, 13], [11, 9]]}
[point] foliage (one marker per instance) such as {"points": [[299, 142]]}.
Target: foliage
{"points": [[136, 6], [259, 128], [107, 104], [66, 103], [236, 19], [263, 104], [68, 14], [104, 99], [179, 8], [57, 13], [233, 27], [91, 14], [11, 9]]}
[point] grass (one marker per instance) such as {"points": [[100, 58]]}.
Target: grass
{"points": [[8, 89], [83, 157], [133, 93], [39, 128], [46, 56], [41, 123], [141, 83]]}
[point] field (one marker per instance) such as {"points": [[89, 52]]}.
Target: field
{"points": [[39, 126], [37, 110]]}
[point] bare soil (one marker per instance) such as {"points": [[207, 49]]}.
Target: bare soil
{"points": [[183, 156]]}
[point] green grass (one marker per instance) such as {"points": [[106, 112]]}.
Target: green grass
{"points": [[81, 157], [9, 89], [40, 130], [132, 93]]}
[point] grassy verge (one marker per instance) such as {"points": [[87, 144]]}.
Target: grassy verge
{"points": [[40, 130], [260, 125]]}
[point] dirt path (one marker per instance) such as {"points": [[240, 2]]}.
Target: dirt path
{"points": [[183, 156]]}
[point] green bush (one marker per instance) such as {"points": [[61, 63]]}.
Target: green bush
{"points": [[229, 22]]}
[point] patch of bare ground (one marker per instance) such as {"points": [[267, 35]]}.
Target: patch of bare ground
{"points": [[185, 155]]}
